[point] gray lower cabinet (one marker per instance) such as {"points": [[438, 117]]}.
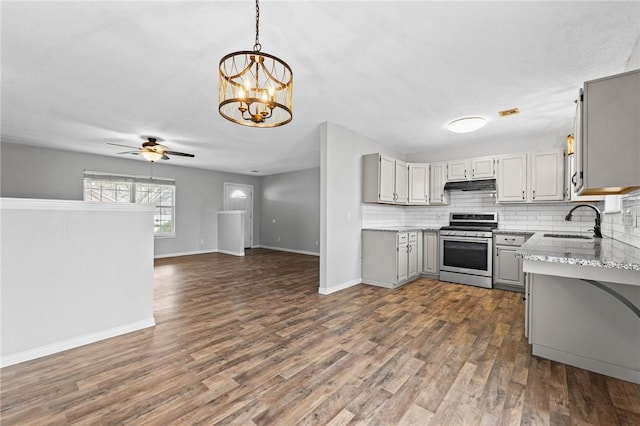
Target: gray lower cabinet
{"points": [[389, 258], [430, 265], [507, 268]]}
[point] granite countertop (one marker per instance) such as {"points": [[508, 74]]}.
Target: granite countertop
{"points": [[506, 231], [396, 229], [598, 252]]}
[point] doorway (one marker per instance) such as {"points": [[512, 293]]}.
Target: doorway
{"points": [[238, 196]]}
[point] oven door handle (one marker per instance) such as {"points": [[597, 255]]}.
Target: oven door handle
{"points": [[466, 239]]}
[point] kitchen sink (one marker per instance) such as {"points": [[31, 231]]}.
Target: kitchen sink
{"points": [[581, 237]]}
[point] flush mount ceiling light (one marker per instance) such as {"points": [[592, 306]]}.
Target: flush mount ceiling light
{"points": [[466, 124], [256, 88]]}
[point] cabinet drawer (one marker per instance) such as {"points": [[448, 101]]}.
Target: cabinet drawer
{"points": [[403, 237], [510, 240]]}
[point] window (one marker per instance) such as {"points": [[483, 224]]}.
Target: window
{"points": [[159, 192], [238, 194]]}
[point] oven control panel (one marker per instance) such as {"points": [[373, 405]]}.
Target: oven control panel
{"points": [[481, 234]]}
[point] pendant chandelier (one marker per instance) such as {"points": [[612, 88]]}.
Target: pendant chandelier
{"points": [[255, 88]]}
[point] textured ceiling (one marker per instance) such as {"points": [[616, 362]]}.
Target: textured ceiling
{"points": [[76, 75]]}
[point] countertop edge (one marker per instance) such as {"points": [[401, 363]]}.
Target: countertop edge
{"points": [[401, 229], [532, 250]]}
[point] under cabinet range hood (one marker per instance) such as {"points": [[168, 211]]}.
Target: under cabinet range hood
{"points": [[472, 185]]}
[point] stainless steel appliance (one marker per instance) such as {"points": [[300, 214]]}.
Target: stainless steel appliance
{"points": [[466, 248]]}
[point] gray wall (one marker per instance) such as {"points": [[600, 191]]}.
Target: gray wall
{"points": [[30, 172], [290, 217], [341, 204]]}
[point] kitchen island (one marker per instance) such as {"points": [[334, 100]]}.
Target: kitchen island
{"points": [[583, 302]]}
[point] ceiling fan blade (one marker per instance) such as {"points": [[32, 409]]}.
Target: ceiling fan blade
{"points": [[164, 157], [130, 152], [126, 146], [181, 154]]}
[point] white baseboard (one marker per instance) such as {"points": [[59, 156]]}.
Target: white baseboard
{"points": [[339, 287], [233, 253], [377, 283], [189, 253], [310, 253], [184, 253], [74, 342]]}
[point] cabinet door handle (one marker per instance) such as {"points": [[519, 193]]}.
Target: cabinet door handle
{"points": [[534, 194], [523, 194], [465, 173], [473, 172], [441, 197], [573, 179]]}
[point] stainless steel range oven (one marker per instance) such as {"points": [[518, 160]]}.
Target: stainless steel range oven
{"points": [[466, 248]]}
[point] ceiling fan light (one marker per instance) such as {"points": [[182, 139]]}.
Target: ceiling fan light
{"points": [[152, 156], [466, 124]]}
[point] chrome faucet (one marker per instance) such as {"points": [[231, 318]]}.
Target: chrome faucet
{"points": [[596, 229]]}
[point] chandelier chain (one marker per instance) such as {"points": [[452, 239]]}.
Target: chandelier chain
{"points": [[257, 46]]}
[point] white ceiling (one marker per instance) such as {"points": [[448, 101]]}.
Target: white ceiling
{"points": [[76, 75]]}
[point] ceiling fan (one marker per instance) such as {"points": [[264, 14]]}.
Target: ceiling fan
{"points": [[152, 151]]}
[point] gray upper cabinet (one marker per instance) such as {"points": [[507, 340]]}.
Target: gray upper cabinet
{"points": [[437, 179], [384, 180], [457, 170], [483, 168], [608, 136], [471, 169], [570, 177], [512, 178], [547, 176], [530, 177], [402, 182], [418, 183]]}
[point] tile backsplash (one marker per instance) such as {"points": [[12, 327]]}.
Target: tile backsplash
{"points": [[625, 225], [521, 217]]}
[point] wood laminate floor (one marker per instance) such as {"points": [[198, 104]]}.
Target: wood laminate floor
{"points": [[250, 341]]}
